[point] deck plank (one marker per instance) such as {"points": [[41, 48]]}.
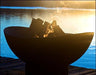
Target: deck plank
{"points": [[9, 66]]}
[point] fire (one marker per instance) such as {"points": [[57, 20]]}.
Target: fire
{"points": [[42, 29], [50, 29]]}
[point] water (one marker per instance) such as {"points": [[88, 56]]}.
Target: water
{"points": [[17, 17]]}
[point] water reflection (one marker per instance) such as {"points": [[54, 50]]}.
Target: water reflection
{"points": [[13, 17]]}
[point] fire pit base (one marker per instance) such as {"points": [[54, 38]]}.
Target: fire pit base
{"points": [[37, 69]]}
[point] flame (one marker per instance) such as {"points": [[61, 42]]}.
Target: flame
{"points": [[50, 29], [36, 36]]}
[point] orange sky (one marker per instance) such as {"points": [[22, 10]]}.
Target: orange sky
{"points": [[72, 4]]}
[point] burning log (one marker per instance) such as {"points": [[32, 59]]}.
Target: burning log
{"points": [[41, 29]]}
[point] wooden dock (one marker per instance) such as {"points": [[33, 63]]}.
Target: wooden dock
{"points": [[9, 66]]}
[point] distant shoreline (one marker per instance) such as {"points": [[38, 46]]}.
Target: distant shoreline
{"points": [[49, 8]]}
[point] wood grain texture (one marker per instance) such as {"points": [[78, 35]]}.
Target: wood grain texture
{"points": [[9, 66]]}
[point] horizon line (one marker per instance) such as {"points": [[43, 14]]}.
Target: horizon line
{"points": [[51, 8]]}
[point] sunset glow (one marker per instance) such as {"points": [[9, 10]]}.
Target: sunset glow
{"points": [[51, 20]]}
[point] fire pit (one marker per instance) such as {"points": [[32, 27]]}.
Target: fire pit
{"points": [[46, 51]]}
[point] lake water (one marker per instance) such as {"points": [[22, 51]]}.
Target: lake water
{"points": [[17, 17]]}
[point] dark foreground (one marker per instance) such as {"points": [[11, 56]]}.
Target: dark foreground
{"points": [[9, 66]]}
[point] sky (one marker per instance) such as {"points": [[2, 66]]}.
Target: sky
{"points": [[86, 4]]}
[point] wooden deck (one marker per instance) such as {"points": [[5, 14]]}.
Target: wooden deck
{"points": [[9, 66]]}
